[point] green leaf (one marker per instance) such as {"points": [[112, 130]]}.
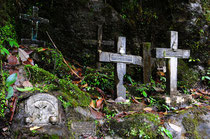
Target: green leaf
{"points": [[24, 89], [6, 51], [2, 52], [11, 42], [11, 79], [205, 77], [167, 132], [16, 44], [129, 78], [10, 92], [144, 94]]}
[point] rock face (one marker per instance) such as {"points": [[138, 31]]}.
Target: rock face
{"points": [[192, 123], [80, 20]]}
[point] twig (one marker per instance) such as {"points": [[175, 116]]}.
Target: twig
{"points": [[62, 56]]}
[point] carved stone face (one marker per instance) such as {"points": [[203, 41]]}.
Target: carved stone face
{"points": [[41, 108]]}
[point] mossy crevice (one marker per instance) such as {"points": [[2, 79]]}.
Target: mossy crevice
{"points": [[46, 82]]}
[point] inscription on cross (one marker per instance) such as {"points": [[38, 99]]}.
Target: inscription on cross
{"points": [[35, 20], [121, 59], [172, 54], [99, 42]]}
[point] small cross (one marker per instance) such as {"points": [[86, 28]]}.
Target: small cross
{"points": [[35, 20]]}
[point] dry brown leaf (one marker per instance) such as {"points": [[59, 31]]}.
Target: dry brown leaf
{"points": [[99, 103], [149, 109], [85, 85], [23, 55], [27, 84], [35, 127], [12, 60], [92, 104]]}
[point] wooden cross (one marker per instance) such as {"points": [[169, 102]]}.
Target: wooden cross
{"points": [[99, 42], [121, 59], [35, 20], [172, 54]]}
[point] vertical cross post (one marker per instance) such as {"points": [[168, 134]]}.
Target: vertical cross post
{"points": [[35, 24], [120, 69], [172, 65], [100, 32], [146, 62]]}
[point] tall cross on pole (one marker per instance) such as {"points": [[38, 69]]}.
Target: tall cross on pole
{"points": [[35, 20]]}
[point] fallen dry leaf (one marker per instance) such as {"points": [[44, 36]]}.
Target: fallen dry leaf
{"points": [[148, 109], [99, 103], [85, 85], [96, 114], [35, 127], [27, 84], [12, 60], [23, 55], [92, 104]]}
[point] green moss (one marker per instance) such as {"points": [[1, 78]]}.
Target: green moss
{"points": [[190, 125], [136, 126], [192, 120], [187, 76], [47, 82]]}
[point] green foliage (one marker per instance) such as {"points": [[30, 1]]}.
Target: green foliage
{"points": [[7, 36], [98, 79], [206, 78], [206, 8]]}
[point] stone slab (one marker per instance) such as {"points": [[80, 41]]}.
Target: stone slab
{"points": [[84, 129]]}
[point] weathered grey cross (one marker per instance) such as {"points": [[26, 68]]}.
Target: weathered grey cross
{"points": [[172, 54], [121, 59], [35, 20], [99, 42]]}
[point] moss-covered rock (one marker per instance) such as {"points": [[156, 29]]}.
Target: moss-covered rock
{"points": [[192, 123], [46, 82], [144, 125]]}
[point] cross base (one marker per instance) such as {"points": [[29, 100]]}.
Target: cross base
{"points": [[30, 42], [179, 100]]}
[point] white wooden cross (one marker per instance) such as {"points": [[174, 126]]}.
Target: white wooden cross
{"points": [[172, 54], [121, 59]]}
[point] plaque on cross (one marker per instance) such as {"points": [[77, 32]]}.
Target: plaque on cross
{"points": [[172, 54], [99, 42], [121, 59], [35, 20]]}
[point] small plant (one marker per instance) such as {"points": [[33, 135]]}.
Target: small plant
{"points": [[206, 78], [163, 131]]}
